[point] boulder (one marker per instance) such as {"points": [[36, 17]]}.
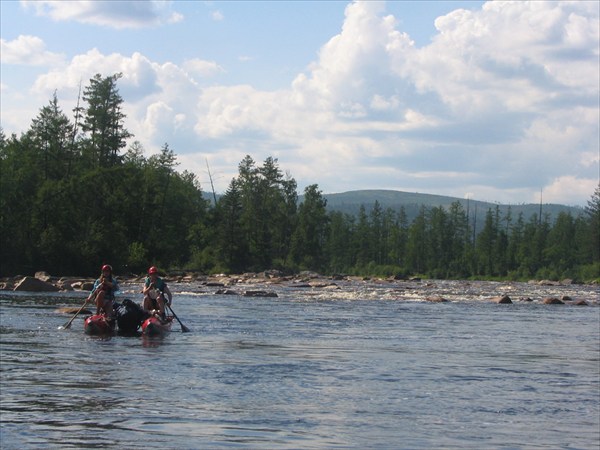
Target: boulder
{"points": [[552, 301], [321, 285], [186, 279], [7, 286], [503, 299], [260, 294], [309, 274], [272, 273], [548, 283], [42, 275], [65, 286], [71, 280], [87, 286], [227, 292], [32, 284], [580, 303], [73, 310], [332, 287], [436, 299]]}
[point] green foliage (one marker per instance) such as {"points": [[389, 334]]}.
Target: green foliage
{"points": [[103, 121], [589, 273], [308, 239], [137, 259], [71, 201], [256, 217]]}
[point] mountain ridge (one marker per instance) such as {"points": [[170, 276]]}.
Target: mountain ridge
{"points": [[351, 201]]}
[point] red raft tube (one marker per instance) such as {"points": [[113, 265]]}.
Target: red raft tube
{"points": [[154, 327], [98, 325]]}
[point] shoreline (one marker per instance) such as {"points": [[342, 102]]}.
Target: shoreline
{"points": [[311, 285]]}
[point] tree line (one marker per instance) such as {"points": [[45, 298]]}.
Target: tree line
{"points": [[74, 195]]}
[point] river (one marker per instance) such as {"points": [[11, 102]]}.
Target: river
{"points": [[364, 365]]}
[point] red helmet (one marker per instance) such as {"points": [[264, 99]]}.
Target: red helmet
{"points": [[152, 270], [106, 267]]}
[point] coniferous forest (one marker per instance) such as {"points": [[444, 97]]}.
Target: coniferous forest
{"points": [[77, 191]]}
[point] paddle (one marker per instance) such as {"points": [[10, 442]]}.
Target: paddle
{"points": [[68, 324], [184, 329]]}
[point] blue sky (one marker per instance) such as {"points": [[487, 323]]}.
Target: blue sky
{"points": [[494, 101]]}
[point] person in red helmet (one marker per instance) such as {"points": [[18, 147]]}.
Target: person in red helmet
{"points": [[105, 287], [154, 292]]}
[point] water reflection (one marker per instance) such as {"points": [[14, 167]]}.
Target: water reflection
{"points": [[152, 341]]}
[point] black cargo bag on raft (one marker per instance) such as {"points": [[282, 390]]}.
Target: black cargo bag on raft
{"points": [[129, 316]]}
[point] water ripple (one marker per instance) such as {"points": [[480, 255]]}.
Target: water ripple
{"points": [[369, 366]]}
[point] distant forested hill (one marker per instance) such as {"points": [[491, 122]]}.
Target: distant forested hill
{"points": [[351, 201]]}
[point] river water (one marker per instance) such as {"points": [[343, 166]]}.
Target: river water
{"points": [[362, 366]]}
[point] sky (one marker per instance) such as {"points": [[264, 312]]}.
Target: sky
{"points": [[496, 101]]}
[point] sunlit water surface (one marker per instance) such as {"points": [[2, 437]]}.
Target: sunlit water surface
{"points": [[355, 368]]}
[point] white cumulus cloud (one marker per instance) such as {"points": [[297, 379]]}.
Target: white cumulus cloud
{"points": [[202, 68], [113, 14], [28, 50], [563, 189], [502, 103]]}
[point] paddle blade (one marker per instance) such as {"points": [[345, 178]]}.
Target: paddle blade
{"points": [[67, 325], [184, 329]]}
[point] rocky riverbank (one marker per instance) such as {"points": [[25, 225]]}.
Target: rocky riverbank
{"points": [[313, 285]]}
